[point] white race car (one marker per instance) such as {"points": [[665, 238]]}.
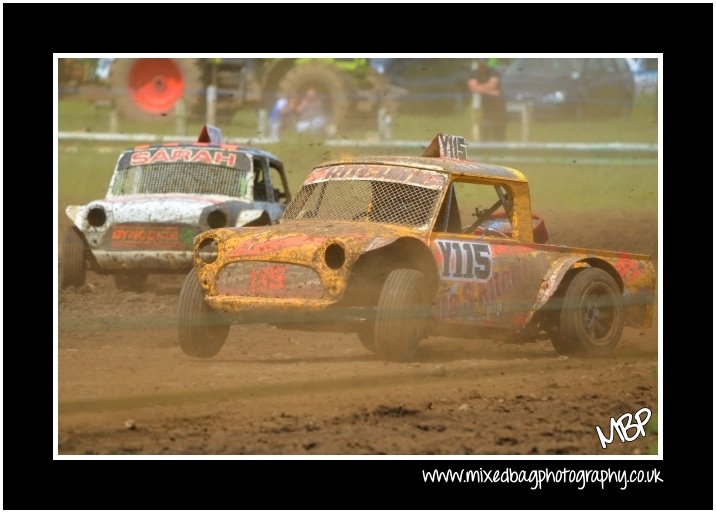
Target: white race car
{"points": [[160, 197]]}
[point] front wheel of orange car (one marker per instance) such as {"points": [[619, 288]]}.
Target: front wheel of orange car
{"points": [[401, 316], [366, 335], [202, 331], [592, 315]]}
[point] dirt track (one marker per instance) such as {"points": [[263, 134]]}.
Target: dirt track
{"points": [[126, 388]]}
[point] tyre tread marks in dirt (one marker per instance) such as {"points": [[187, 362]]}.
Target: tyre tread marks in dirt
{"points": [[401, 315], [328, 82], [202, 332], [73, 259], [120, 80], [592, 298]]}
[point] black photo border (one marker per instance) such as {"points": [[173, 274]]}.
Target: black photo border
{"points": [[33, 480]]}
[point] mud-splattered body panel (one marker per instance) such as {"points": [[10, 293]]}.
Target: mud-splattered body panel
{"points": [[491, 283]]}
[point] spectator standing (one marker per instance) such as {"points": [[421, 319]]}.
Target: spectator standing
{"points": [[493, 113], [283, 115]]}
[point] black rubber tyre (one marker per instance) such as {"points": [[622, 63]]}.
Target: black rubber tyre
{"points": [[366, 335], [129, 75], [554, 313], [130, 282], [560, 345], [328, 81], [73, 267], [592, 314], [202, 331], [401, 315]]}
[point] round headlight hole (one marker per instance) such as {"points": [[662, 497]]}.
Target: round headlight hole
{"points": [[335, 256], [216, 219], [208, 250], [96, 216]]}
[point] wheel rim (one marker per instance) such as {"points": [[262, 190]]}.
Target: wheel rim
{"points": [[597, 314], [155, 85]]}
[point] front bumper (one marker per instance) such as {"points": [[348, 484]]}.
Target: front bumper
{"points": [[244, 305], [299, 313], [147, 260]]}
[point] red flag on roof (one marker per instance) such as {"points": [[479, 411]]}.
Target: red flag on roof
{"points": [[210, 134]]}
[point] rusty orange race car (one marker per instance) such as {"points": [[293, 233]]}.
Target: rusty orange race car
{"points": [[397, 248]]}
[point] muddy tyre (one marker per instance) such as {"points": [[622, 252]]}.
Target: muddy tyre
{"points": [[74, 268], [144, 89], [554, 332], [591, 319], [202, 331], [401, 315], [560, 344], [329, 82], [130, 282], [366, 335]]}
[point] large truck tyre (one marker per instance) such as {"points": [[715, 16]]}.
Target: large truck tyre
{"points": [[329, 82], [144, 89]]}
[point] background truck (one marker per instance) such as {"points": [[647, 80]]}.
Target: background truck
{"points": [[145, 88]]}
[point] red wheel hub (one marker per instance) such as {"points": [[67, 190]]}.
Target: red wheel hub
{"points": [[155, 84]]}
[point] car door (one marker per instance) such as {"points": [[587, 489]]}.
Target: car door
{"points": [[264, 194], [279, 183], [479, 263]]}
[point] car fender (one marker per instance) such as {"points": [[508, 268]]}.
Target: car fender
{"points": [[273, 210], [399, 251], [249, 215], [78, 215], [552, 279], [378, 242], [72, 211]]}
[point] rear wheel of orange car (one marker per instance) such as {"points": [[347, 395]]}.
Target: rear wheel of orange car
{"points": [[401, 315], [73, 268], [560, 345], [592, 316], [202, 331]]}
